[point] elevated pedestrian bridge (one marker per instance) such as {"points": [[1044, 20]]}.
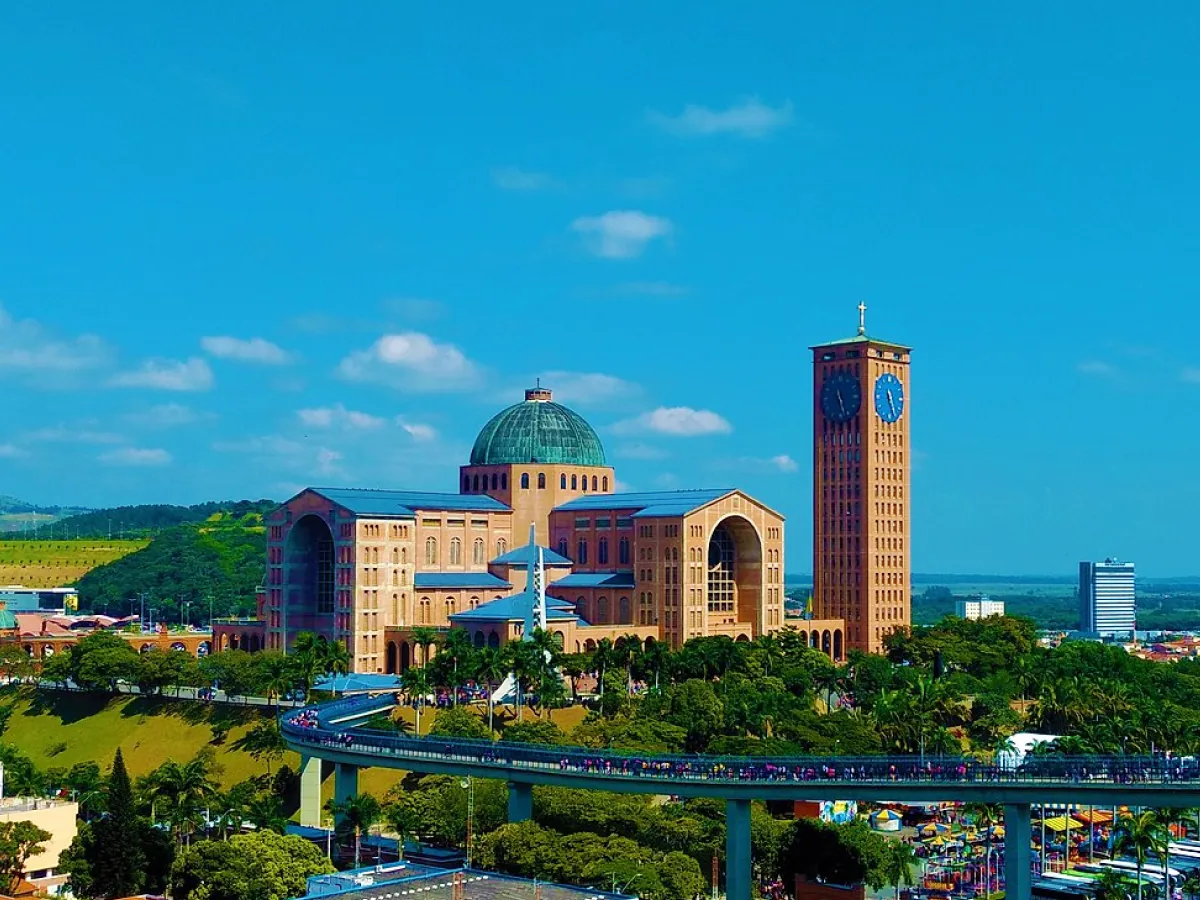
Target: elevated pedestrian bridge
{"points": [[328, 732]]}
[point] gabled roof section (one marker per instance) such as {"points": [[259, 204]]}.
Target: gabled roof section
{"points": [[481, 580], [518, 558], [862, 339], [513, 609], [684, 500], [404, 504], [596, 580]]}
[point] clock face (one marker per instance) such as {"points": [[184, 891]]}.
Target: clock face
{"points": [[841, 397], [889, 397]]}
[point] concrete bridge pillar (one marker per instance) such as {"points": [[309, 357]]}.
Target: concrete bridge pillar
{"points": [[520, 801], [310, 791], [1018, 833], [738, 875], [345, 782]]}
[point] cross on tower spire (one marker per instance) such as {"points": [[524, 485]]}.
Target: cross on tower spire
{"points": [[862, 317]]}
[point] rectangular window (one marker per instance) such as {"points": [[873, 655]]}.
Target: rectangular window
{"points": [[583, 522], [603, 522], [432, 523], [479, 523], [624, 522], [455, 523]]}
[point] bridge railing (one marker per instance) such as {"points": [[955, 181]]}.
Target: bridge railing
{"points": [[309, 726]]}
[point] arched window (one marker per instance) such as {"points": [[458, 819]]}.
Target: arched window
{"points": [[541, 481], [524, 481], [604, 483], [581, 552], [574, 482], [424, 612], [455, 552], [623, 551], [475, 487], [583, 483], [562, 481], [501, 547], [477, 554], [473, 602], [494, 481], [504, 481], [595, 483], [450, 603], [623, 613], [562, 547], [602, 551], [431, 556], [403, 556], [395, 578]]}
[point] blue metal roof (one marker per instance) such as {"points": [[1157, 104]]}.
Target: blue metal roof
{"points": [[357, 682], [404, 504], [482, 580], [515, 609], [595, 580], [688, 500], [520, 558]]}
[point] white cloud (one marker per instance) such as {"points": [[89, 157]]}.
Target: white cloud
{"points": [[327, 461], [340, 417], [11, 451], [1191, 375], [510, 178], [1096, 367], [750, 118], [63, 434], [418, 431], [27, 346], [411, 361], [622, 233], [167, 415], [252, 350], [587, 387], [784, 463], [678, 421], [167, 375], [136, 456]]}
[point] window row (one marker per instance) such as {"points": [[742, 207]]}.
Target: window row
{"points": [[474, 484], [478, 551]]}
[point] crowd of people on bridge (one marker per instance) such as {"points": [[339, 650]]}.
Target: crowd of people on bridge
{"points": [[1117, 770]]}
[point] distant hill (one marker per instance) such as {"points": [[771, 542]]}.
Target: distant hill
{"points": [[222, 558], [20, 515], [141, 521]]}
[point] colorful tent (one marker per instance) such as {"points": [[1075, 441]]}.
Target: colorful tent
{"points": [[933, 829], [1062, 823], [885, 820]]}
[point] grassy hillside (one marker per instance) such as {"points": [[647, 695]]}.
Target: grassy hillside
{"points": [[146, 520], [18, 515], [222, 558], [58, 563]]}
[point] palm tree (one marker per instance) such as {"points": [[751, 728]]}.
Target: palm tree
{"points": [[656, 658], [457, 651], [526, 662], [627, 651], [1168, 816], [426, 638], [265, 812], [1113, 884], [898, 865], [490, 669], [277, 674], [185, 790], [602, 658], [1140, 835], [356, 814], [987, 815], [416, 684], [315, 655], [400, 819]]}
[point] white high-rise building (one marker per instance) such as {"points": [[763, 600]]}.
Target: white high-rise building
{"points": [[979, 608], [1107, 605]]}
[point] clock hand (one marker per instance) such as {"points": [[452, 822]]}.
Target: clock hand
{"points": [[891, 404], [841, 403]]}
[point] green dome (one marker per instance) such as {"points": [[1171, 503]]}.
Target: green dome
{"points": [[7, 620], [537, 431]]}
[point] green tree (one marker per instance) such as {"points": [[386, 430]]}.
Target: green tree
{"points": [[264, 741], [987, 816], [257, 866], [19, 840], [459, 722], [185, 791], [1141, 835], [110, 858], [355, 815], [899, 865], [415, 682], [490, 671], [275, 674], [426, 638], [314, 656]]}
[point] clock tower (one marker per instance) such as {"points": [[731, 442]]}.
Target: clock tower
{"points": [[861, 464]]}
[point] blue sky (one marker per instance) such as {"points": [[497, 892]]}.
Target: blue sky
{"points": [[242, 251]]}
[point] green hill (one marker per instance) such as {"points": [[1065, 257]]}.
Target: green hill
{"points": [[141, 521], [222, 558]]}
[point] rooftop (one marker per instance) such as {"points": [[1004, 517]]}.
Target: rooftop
{"points": [[405, 504], [643, 500], [519, 558], [595, 579], [515, 609], [481, 580], [537, 430]]}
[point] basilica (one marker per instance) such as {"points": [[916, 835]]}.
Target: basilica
{"points": [[369, 567]]}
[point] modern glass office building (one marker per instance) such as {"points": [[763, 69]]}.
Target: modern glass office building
{"points": [[1106, 598]]}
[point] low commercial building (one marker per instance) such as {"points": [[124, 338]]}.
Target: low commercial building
{"points": [[58, 817], [978, 608]]}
